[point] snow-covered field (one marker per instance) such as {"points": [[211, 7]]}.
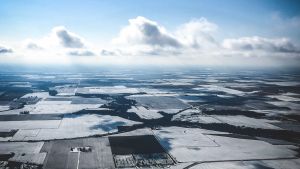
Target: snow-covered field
{"points": [[72, 126], [107, 90], [248, 122], [61, 107], [159, 102], [201, 118], [190, 145], [144, 113], [194, 116], [222, 89]]}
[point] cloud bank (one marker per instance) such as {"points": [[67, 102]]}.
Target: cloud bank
{"points": [[144, 31], [4, 50], [256, 43], [144, 41], [81, 53]]}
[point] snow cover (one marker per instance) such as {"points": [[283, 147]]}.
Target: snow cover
{"points": [[178, 137], [295, 108], [137, 132], [176, 83], [108, 90], [74, 126], [190, 145], [4, 108], [20, 147], [22, 133], [247, 122], [34, 124], [42, 95], [276, 164], [223, 165], [31, 76], [37, 158], [144, 113], [194, 115], [152, 91], [65, 90], [17, 111], [285, 98], [283, 83], [60, 107], [283, 164], [159, 102], [223, 89]]}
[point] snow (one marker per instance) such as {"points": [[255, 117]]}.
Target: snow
{"points": [[178, 137], [159, 102], [137, 132], [295, 108], [17, 111], [4, 108], [267, 164], [22, 133], [109, 90], [65, 90], [223, 165], [74, 126], [35, 124], [283, 83], [223, 89], [151, 91], [195, 146], [37, 158], [31, 76], [20, 147], [80, 100], [42, 95], [285, 98], [144, 113], [60, 107], [248, 122], [176, 83], [283, 164], [169, 111], [194, 115]]}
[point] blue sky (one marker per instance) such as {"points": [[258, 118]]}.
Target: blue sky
{"points": [[101, 21], [96, 19]]}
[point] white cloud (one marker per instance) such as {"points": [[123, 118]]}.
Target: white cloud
{"points": [[197, 33], [5, 50], [146, 37], [59, 46], [256, 43], [81, 53], [67, 38], [105, 52], [146, 32], [57, 39], [144, 41], [30, 44]]}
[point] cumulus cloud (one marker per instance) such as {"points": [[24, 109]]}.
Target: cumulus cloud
{"points": [[105, 52], [33, 46], [144, 31], [197, 33], [282, 45], [193, 43], [67, 38], [143, 36], [4, 50], [81, 53]]}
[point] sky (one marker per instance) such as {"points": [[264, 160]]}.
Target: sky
{"points": [[132, 32]]}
